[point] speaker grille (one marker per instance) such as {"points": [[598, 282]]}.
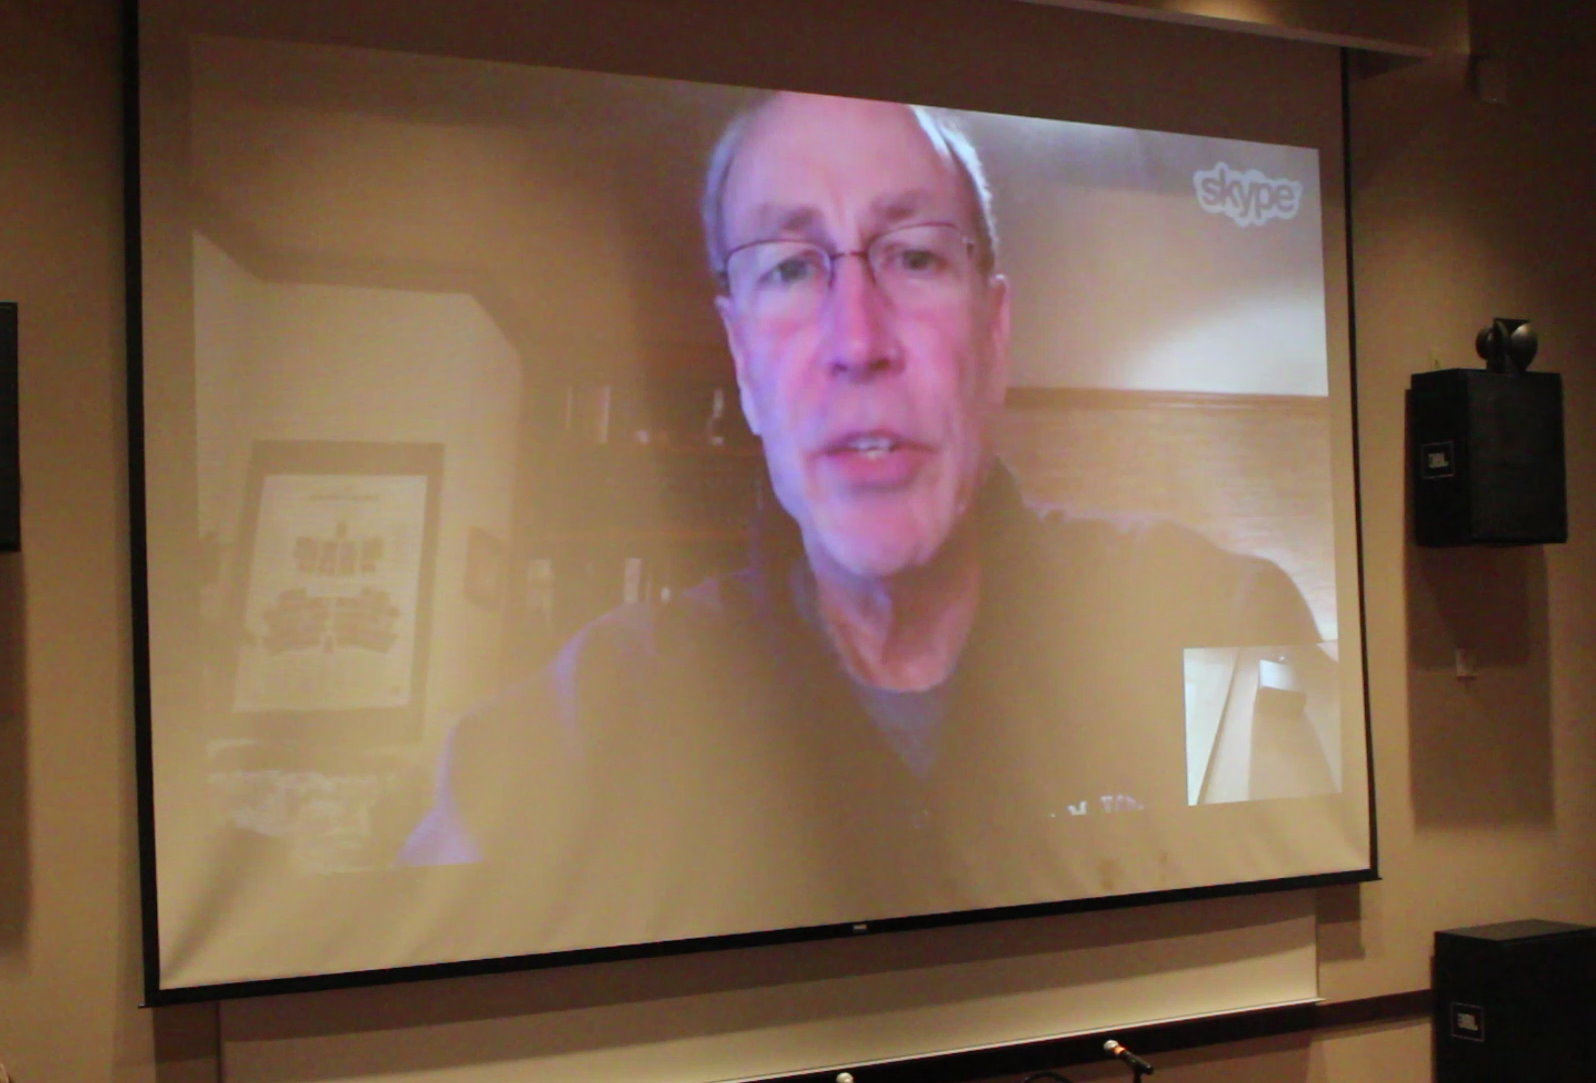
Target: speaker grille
{"points": [[1488, 458]]}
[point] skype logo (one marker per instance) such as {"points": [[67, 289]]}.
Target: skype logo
{"points": [[1248, 199]]}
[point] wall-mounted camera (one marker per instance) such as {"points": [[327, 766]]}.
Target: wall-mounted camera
{"points": [[1508, 345]]}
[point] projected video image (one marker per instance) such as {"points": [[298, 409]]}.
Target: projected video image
{"points": [[836, 512]]}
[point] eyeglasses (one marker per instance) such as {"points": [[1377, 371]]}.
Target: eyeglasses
{"points": [[917, 264]]}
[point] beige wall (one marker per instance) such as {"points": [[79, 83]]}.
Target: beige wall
{"points": [[1412, 26], [1487, 809]]}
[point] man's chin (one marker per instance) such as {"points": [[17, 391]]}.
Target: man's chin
{"points": [[874, 556]]}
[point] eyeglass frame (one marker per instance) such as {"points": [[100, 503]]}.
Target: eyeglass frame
{"points": [[833, 256]]}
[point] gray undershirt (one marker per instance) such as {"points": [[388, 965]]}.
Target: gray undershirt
{"points": [[910, 722]]}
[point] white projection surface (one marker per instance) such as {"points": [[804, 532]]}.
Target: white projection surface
{"points": [[593, 514]]}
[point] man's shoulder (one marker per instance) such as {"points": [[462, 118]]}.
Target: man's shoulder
{"points": [[1028, 530], [1125, 540], [633, 638], [708, 605], [1154, 566], [613, 671]]}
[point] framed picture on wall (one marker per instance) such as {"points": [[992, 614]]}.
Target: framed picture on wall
{"points": [[331, 611]]}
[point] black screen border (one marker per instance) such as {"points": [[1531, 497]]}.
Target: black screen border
{"points": [[156, 995]]}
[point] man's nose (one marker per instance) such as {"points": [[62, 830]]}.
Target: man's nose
{"points": [[860, 344]]}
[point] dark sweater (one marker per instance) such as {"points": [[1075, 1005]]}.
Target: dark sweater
{"points": [[710, 745]]}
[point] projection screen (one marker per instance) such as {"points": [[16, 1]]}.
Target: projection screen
{"points": [[590, 513]]}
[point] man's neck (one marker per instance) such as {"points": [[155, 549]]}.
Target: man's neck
{"points": [[903, 633]]}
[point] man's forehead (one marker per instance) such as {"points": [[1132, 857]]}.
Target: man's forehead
{"points": [[803, 153], [885, 209]]}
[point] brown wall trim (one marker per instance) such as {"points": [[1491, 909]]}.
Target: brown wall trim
{"points": [[1104, 398], [1025, 1058], [1380, 1009]]}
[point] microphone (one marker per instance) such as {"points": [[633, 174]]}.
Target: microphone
{"points": [[1114, 1049]]}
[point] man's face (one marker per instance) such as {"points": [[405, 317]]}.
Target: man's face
{"points": [[874, 404]]}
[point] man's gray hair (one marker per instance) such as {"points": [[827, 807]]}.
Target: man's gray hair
{"points": [[939, 126]]}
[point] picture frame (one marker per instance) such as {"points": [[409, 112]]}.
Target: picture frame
{"points": [[331, 591]]}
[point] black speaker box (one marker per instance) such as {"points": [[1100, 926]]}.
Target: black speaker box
{"points": [[1488, 457], [10, 468], [1515, 1003]]}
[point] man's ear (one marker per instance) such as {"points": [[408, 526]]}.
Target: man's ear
{"points": [[745, 390], [997, 369]]}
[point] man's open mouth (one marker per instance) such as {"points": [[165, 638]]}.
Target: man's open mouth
{"points": [[871, 447], [871, 444], [874, 459]]}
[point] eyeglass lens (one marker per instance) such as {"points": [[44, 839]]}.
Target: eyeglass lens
{"points": [[792, 276]]}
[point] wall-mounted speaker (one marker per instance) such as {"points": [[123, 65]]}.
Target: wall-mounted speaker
{"points": [[1487, 452], [1515, 1002], [10, 467]]}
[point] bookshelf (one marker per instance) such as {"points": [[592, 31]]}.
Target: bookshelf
{"points": [[633, 494]]}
